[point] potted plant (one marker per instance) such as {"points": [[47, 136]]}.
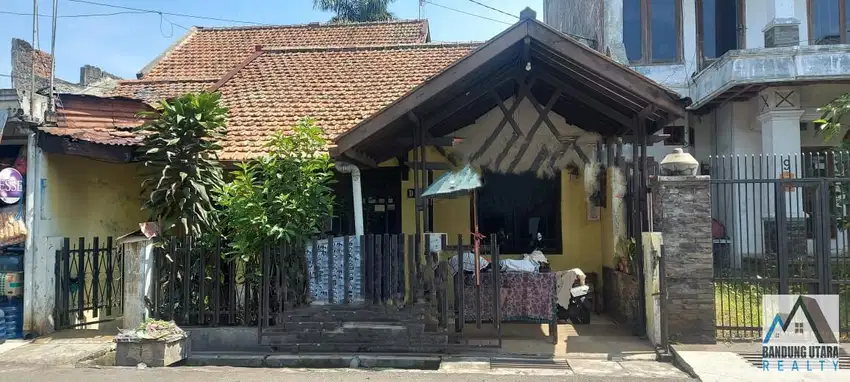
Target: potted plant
{"points": [[154, 343]]}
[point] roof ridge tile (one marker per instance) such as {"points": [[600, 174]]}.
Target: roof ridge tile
{"points": [[333, 48], [312, 25]]}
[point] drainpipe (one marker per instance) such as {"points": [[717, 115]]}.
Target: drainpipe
{"points": [[348, 168]]}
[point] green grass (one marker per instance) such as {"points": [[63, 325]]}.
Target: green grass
{"points": [[738, 307]]}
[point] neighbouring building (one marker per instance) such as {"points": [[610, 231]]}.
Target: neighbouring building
{"points": [[756, 71], [69, 177]]}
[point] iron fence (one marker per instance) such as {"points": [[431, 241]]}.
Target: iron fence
{"points": [[780, 226], [89, 282], [197, 285]]}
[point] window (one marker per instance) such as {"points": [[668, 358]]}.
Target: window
{"points": [[828, 21], [518, 206], [798, 328], [720, 27], [652, 31]]}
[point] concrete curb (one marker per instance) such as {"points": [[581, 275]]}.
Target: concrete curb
{"points": [[680, 362], [614, 357], [314, 361]]}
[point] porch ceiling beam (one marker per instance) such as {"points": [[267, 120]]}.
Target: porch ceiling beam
{"points": [[647, 111], [446, 155], [481, 89], [361, 158], [614, 93], [589, 101], [544, 115], [434, 86], [534, 127], [608, 70], [430, 165], [432, 141], [524, 90], [655, 138], [509, 115]]}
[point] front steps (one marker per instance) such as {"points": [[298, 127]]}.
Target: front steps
{"points": [[355, 329]]}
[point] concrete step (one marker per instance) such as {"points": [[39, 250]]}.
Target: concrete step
{"points": [[331, 347], [359, 333]]}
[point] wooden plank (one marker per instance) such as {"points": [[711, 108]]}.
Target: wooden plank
{"points": [[533, 130], [430, 165], [524, 90], [433, 86], [509, 116], [591, 102], [63, 145], [606, 68], [430, 141], [481, 89], [361, 158]]}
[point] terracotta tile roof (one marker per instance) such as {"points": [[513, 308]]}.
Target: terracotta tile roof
{"points": [[211, 52], [339, 87], [154, 91], [106, 121]]}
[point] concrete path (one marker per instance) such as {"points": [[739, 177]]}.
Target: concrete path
{"points": [[710, 366], [29, 373], [59, 349]]}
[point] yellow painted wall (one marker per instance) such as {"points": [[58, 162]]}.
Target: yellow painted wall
{"points": [[583, 244], [84, 197]]}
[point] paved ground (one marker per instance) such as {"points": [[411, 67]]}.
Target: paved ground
{"points": [[216, 374], [705, 362]]}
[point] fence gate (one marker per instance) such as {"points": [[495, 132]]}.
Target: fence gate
{"points": [[780, 228], [89, 285]]}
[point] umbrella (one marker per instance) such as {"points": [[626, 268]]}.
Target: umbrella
{"points": [[454, 183]]}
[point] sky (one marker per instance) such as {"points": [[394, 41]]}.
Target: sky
{"points": [[123, 44]]}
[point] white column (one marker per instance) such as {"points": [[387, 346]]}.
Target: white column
{"points": [[780, 139]]}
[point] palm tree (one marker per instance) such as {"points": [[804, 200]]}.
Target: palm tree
{"points": [[356, 10]]}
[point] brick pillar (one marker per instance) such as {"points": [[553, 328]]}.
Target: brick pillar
{"points": [[783, 26], [682, 213]]}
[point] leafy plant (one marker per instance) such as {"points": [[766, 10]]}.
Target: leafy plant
{"points": [[152, 329], [831, 115], [830, 125], [284, 195], [181, 166], [356, 10]]}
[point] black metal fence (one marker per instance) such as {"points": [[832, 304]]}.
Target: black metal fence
{"points": [[196, 285], [89, 286], [780, 226]]}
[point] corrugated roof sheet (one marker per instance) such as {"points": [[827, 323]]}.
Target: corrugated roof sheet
{"points": [[108, 121]]}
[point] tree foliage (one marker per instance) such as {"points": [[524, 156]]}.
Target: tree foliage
{"points": [[181, 167], [832, 114], [284, 195], [356, 10]]}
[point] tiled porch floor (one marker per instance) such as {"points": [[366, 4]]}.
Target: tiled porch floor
{"points": [[601, 339]]}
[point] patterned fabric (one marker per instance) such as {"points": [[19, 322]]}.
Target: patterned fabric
{"points": [[525, 297], [318, 282]]}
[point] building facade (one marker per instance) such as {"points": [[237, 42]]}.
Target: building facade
{"points": [[756, 70]]}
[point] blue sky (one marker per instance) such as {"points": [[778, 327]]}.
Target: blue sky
{"points": [[123, 44]]}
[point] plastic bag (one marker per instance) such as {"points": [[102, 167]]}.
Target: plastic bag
{"points": [[13, 227]]}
